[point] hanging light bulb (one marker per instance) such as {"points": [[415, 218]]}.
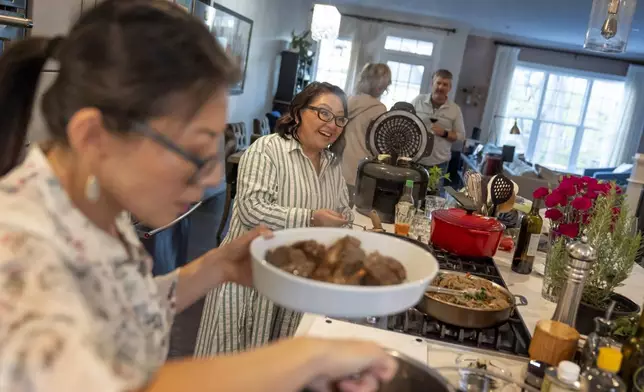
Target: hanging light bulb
{"points": [[609, 25], [326, 22], [515, 129]]}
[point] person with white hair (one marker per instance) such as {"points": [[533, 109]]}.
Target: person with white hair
{"points": [[364, 107]]}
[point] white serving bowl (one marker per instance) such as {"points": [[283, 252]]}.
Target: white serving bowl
{"points": [[334, 300]]}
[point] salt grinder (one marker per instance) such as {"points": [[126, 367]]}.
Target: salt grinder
{"points": [[580, 260]]}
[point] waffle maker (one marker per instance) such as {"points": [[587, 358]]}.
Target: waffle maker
{"points": [[398, 133]]}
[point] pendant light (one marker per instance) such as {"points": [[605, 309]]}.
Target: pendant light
{"points": [[515, 129], [325, 24], [609, 25]]}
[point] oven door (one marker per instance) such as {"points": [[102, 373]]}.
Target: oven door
{"points": [[14, 23]]}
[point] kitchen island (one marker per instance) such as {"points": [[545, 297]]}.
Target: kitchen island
{"points": [[436, 353]]}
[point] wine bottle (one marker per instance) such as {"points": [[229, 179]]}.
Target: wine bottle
{"points": [[633, 352], [528, 241]]}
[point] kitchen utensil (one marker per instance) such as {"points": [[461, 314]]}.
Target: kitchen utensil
{"points": [[477, 194], [581, 257], [413, 376], [466, 234], [553, 342], [443, 290], [462, 316], [376, 222], [461, 199], [307, 295], [501, 190]]}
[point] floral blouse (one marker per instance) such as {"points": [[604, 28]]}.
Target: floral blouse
{"points": [[79, 310]]}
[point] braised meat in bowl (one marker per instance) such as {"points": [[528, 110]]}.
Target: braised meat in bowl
{"points": [[344, 262], [341, 272]]}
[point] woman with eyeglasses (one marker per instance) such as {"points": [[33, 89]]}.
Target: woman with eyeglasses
{"points": [[136, 117], [292, 178]]}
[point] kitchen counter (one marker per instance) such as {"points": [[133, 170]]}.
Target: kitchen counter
{"points": [[526, 285]]}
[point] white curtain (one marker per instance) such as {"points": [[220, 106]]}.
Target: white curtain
{"points": [[497, 96], [630, 129], [364, 46]]}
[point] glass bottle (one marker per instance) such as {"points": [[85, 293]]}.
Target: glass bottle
{"points": [[633, 352], [600, 337], [563, 378], [604, 377], [405, 210], [528, 240]]}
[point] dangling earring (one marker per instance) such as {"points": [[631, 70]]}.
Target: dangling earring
{"points": [[92, 189]]}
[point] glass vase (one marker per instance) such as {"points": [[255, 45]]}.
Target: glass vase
{"points": [[554, 275]]}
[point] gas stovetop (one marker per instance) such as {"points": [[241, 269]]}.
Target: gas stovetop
{"points": [[512, 337]]}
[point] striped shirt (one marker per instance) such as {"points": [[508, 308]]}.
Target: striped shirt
{"points": [[277, 186]]}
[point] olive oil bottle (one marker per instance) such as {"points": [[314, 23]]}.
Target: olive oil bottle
{"points": [[528, 241], [633, 352]]}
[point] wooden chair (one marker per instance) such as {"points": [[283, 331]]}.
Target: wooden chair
{"points": [[260, 128]]}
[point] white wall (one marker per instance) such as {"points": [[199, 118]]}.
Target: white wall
{"points": [[273, 22]]}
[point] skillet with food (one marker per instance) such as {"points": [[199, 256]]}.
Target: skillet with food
{"points": [[486, 304]]}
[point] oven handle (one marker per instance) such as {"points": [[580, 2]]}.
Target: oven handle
{"points": [[15, 21]]}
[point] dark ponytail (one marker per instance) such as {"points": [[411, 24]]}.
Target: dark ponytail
{"points": [[20, 68]]}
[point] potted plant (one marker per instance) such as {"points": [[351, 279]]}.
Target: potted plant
{"points": [[585, 206], [435, 177]]}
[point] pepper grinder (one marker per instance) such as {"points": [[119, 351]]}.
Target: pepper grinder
{"points": [[580, 260]]}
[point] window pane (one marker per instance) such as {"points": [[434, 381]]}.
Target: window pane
{"points": [[554, 145], [333, 62], [393, 43], [605, 105], [525, 93], [602, 122], [405, 84], [564, 99], [596, 149], [520, 142], [423, 48]]}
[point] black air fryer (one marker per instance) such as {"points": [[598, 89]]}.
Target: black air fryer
{"points": [[398, 133]]}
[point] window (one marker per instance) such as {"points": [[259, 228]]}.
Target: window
{"points": [[406, 82], [568, 119], [333, 61], [407, 45]]}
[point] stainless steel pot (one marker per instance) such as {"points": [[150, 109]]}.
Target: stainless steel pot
{"points": [[413, 376], [462, 316]]}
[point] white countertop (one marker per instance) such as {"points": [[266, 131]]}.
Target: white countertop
{"points": [[526, 285]]}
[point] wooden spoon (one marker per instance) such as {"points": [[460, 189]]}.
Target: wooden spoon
{"points": [[377, 223]]}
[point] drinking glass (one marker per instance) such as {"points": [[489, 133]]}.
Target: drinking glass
{"points": [[433, 203], [420, 227]]}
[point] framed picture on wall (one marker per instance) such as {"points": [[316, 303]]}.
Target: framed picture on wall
{"points": [[233, 31]]}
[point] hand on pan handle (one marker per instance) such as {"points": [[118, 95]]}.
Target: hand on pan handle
{"points": [[327, 218], [344, 359]]}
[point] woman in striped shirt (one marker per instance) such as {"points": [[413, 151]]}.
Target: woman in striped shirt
{"points": [[289, 179]]}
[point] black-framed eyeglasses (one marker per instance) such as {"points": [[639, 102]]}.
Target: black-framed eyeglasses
{"points": [[205, 167], [327, 116]]}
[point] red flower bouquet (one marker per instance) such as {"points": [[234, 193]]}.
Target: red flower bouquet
{"points": [[570, 204]]}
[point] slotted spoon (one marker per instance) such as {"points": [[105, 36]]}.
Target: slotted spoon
{"points": [[501, 190]]}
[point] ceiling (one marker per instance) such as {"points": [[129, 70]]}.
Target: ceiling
{"points": [[559, 24]]}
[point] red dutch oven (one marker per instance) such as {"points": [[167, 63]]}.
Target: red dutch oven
{"points": [[466, 234]]}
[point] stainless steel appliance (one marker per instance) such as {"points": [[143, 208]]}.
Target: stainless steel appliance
{"points": [[14, 23], [400, 136]]}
